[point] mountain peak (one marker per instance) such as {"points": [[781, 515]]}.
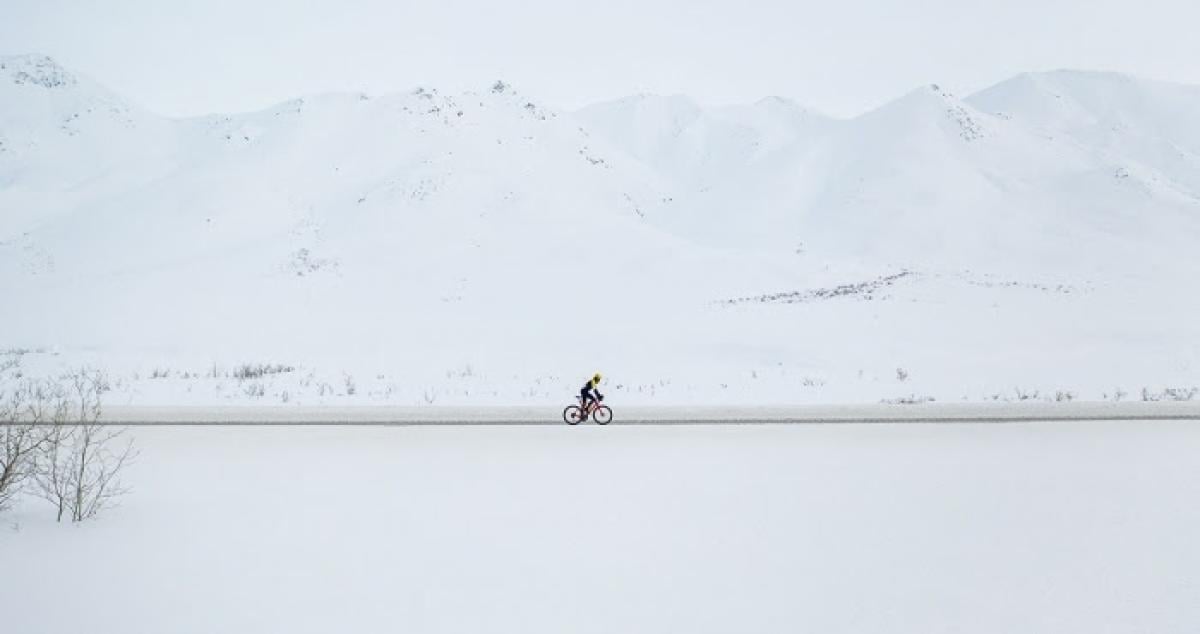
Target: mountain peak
{"points": [[1097, 89], [918, 102], [779, 104], [929, 105], [36, 70], [645, 99]]}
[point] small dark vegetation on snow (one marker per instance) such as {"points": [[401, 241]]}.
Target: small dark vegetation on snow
{"points": [[866, 290], [911, 399], [259, 370], [990, 281], [1170, 394]]}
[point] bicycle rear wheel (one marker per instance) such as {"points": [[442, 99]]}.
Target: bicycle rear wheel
{"points": [[573, 415], [602, 415]]}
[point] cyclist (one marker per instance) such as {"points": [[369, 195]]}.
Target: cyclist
{"points": [[589, 393]]}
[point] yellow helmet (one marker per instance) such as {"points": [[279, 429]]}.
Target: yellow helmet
{"points": [[596, 377]]}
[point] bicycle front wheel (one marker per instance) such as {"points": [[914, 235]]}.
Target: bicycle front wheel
{"points": [[602, 415]]}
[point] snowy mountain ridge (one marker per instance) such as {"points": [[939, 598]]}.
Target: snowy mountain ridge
{"points": [[421, 233]]}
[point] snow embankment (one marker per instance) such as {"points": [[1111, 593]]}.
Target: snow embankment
{"points": [[508, 415]]}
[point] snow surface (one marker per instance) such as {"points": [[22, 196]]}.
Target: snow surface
{"points": [[1025, 411], [1080, 527], [482, 248]]}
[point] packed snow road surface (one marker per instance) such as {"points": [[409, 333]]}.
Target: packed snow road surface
{"points": [[392, 415], [1056, 527]]}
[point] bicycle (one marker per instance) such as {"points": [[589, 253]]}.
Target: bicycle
{"points": [[575, 414]]}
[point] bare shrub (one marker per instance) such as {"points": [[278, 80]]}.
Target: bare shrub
{"points": [[1180, 393], [1170, 394], [80, 461], [1023, 395], [911, 399], [901, 375], [1062, 396], [351, 388], [23, 409], [259, 370], [9, 364], [16, 458]]}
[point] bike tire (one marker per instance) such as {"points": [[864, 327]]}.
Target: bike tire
{"points": [[602, 415], [572, 415]]}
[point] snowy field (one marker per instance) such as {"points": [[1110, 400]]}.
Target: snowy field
{"points": [[1064, 527]]}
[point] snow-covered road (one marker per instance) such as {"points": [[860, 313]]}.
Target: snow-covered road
{"points": [[1056, 527], [551, 415]]}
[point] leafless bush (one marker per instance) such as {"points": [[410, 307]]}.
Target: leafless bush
{"points": [[1062, 396], [1180, 394], [80, 460], [351, 388], [911, 399], [901, 375], [9, 364], [22, 411], [1170, 394], [21, 441], [259, 370], [1023, 395]]}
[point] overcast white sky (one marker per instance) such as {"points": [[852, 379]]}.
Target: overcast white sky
{"points": [[841, 56]]}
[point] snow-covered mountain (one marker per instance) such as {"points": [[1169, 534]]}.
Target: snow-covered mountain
{"points": [[700, 148], [1149, 130], [487, 237], [416, 223], [930, 178]]}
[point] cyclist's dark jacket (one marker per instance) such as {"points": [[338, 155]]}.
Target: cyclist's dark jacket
{"points": [[588, 388]]}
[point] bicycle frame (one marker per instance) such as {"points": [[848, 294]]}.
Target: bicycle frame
{"points": [[590, 406]]}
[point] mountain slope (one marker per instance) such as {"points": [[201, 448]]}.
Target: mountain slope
{"points": [[65, 139], [696, 147], [420, 221], [1149, 129], [925, 180], [481, 245]]}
